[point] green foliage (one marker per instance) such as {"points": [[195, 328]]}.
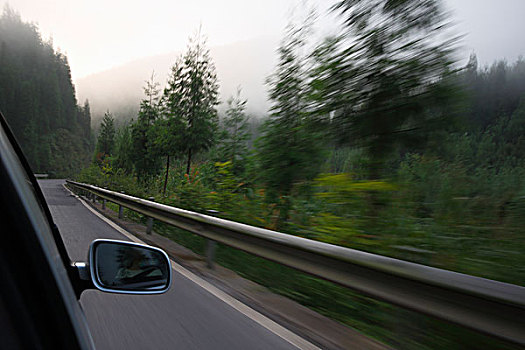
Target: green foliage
{"points": [[343, 220], [235, 126], [469, 220], [104, 175], [190, 194], [289, 149], [65, 154], [228, 192], [189, 103], [144, 155], [387, 81], [106, 138], [124, 152], [38, 100]]}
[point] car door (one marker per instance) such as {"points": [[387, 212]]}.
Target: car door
{"points": [[38, 304]]}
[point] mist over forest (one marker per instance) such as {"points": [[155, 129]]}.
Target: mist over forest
{"points": [[244, 64]]}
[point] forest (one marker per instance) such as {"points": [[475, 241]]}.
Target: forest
{"points": [[377, 140], [38, 100]]}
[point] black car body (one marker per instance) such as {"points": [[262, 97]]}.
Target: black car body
{"points": [[39, 306]]}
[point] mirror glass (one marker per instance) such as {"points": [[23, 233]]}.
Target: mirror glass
{"points": [[124, 266]]}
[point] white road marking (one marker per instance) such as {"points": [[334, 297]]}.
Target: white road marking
{"points": [[256, 316]]}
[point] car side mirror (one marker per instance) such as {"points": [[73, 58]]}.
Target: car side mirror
{"points": [[130, 268]]}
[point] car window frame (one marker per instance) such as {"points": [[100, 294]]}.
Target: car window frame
{"points": [[42, 250]]}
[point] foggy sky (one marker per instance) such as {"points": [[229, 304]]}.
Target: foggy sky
{"points": [[100, 34], [494, 28]]}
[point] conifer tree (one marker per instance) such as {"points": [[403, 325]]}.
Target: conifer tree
{"points": [[106, 137], [190, 101], [289, 150], [236, 133], [145, 160], [124, 152]]}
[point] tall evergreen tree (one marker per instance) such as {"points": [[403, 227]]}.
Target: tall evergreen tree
{"points": [[145, 160], [84, 120], [106, 137], [289, 149], [191, 98], [235, 124], [124, 152], [168, 129]]}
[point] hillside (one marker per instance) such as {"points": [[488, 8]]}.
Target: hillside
{"points": [[38, 100]]}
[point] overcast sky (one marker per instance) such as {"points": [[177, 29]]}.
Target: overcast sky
{"points": [[99, 34]]}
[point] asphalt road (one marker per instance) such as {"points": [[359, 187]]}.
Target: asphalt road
{"points": [[186, 317]]}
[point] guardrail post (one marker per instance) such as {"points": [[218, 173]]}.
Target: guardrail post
{"points": [[149, 225], [104, 201], [211, 246], [121, 209], [93, 198]]}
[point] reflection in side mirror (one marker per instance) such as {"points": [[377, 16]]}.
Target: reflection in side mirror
{"points": [[125, 267]]}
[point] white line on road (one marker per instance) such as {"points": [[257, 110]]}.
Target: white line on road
{"points": [[264, 321]]}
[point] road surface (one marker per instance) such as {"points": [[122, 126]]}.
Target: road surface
{"points": [[186, 317]]}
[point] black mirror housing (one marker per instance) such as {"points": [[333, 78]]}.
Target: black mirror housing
{"points": [[128, 268]]}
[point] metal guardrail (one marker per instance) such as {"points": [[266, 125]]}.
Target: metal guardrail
{"points": [[41, 176], [487, 306]]}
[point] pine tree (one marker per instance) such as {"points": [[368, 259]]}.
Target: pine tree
{"points": [[169, 128], [289, 150], [235, 125], [190, 101], [145, 160], [106, 137], [124, 152], [84, 120]]}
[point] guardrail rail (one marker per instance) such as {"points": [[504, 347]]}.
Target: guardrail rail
{"points": [[491, 307]]}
